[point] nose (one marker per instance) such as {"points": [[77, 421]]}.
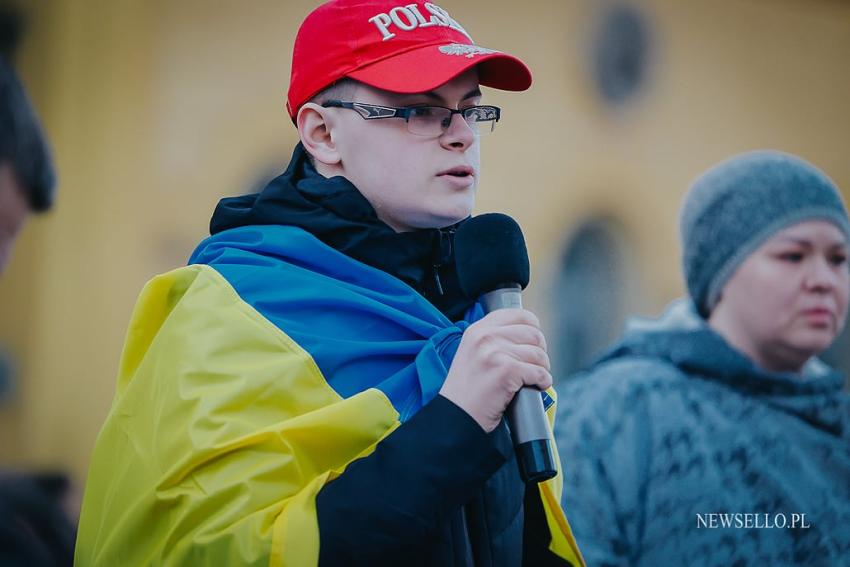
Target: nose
{"points": [[459, 135], [822, 276]]}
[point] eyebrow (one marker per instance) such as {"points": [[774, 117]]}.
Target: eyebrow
{"points": [[808, 243]]}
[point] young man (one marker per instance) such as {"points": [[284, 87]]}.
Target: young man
{"points": [[314, 388]]}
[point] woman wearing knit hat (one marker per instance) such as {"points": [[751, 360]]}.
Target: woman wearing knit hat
{"points": [[713, 435]]}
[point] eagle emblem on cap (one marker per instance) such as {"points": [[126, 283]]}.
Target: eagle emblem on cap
{"points": [[468, 51]]}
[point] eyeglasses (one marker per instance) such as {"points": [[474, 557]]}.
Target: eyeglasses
{"points": [[427, 120]]}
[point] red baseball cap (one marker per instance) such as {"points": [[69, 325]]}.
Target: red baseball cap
{"points": [[400, 46]]}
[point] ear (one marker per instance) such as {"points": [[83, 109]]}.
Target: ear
{"points": [[314, 129]]}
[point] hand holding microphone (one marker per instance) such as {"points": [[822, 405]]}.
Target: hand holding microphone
{"points": [[501, 361], [497, 356]]}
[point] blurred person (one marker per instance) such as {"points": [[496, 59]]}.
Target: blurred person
{"points": [[314, 388], [27, 179], [713, 435], [35, 529]]}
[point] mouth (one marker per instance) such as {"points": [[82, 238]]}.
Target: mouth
{"points": [[819, 317], [461, 172], [818, 311]]}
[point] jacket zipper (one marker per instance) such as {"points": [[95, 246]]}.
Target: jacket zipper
{"points": [[444, 252]]}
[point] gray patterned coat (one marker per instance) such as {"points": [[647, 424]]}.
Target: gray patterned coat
{"points": [[677, 450]]}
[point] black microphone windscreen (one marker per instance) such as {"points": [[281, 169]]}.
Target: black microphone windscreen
{"points": [[490, 252]]}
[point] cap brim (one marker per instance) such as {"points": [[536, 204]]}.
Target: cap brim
{"points": [[426, 68]]}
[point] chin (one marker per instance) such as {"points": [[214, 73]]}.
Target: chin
{"points": [[454, 216], [813, 342], [449, 221]]}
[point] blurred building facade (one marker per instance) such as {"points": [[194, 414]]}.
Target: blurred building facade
{"points": [[157, 109]]}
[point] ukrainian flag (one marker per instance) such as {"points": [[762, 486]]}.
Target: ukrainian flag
{"points": [[248, 380]]}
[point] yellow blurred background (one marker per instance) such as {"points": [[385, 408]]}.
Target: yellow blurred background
{"points": [[155, 109]]}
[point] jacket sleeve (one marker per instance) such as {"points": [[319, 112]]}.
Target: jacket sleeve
{"points": [[603, 433], [404, 491]]}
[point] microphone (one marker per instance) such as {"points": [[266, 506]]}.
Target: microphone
{"points": [[492, 265]]}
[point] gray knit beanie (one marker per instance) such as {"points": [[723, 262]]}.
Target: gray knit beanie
{"points": [[734, 207]]}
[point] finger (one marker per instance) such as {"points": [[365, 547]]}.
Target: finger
{"points": [[518, 334], [529, 354], [523, 335], [535, 376], [511, 316], [523, 373]]}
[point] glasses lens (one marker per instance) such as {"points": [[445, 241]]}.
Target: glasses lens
{"points": [[428, 120], [482, 119], [434, 120]]}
